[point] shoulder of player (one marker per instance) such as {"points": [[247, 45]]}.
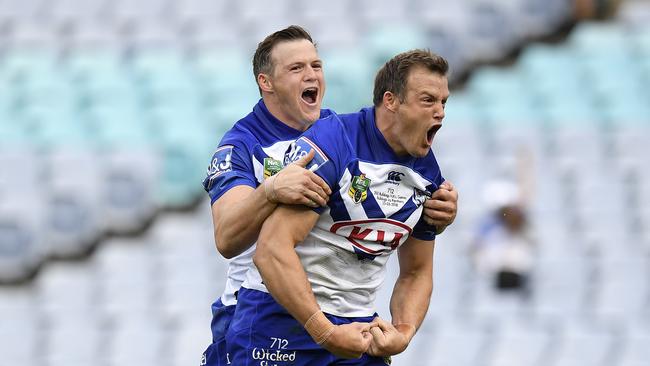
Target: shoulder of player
{"points": [[239, 135], [327, 126], [325, 112]]}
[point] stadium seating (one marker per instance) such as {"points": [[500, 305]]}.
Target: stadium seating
{"points": [[109, 111]]}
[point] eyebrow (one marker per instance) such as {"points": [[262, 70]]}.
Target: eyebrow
{"points": [[429, 94], [304, 62], [426, 94]]}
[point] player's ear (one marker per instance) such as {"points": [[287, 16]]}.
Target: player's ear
{"points": [[264, 82], [390, 101]]}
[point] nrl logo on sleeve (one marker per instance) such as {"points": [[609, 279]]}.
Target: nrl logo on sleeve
{"points": [[359, 188], [271, 167]]}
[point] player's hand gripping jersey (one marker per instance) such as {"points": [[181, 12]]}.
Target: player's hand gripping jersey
{"points": [[375, 205]]}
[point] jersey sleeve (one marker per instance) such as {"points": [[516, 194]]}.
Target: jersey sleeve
{"points": [[231, 166], [331, 151], [422, 229]]}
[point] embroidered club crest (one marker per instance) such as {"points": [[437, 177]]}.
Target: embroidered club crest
{"points": [[271, 167], [359, 188]]}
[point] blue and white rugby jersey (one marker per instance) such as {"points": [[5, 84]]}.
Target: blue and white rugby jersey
{"points": [[251, 151], [375, 206]]}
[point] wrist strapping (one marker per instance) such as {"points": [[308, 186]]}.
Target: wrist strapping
{"points": [[270, 196], [319, 327]]}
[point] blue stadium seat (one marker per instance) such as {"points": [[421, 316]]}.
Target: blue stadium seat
{"points": [[190, 12], [519, 342], [34, 33], [138, 340], [68, 294], [93, 35], [383, 42], [599, 38], [188, 341], [27, 65], [75, 343], [583, 343], [126, 278], [22, 246], [17, 11], [138, 94], [634, 351], [84, 66], [73, 213], [128, 200], [21, 325], [348, 78], [454, 343], [560, 288]]}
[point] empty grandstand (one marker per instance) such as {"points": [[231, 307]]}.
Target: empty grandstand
{"points": [[110, 110]]}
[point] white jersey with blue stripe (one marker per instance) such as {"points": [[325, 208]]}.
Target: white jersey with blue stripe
{"points": [[375, 206], [250, 152]]}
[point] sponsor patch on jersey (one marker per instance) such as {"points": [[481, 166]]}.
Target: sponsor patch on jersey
{"points": [[373, 236], [271, 167], [221, 162], [359, 188], [300, 148]]}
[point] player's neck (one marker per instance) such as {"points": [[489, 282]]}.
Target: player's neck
{"points": [[386, 124], [276, 110]]}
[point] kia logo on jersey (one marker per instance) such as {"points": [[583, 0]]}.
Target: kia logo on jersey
{"points": [[373, 236]]}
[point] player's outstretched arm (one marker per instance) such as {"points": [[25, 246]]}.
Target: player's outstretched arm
{"points": [[410, 299], [286, 280], [440, 210], [239, 213]]}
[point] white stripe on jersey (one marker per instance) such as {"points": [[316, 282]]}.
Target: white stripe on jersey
{"points": [[392, 195]]}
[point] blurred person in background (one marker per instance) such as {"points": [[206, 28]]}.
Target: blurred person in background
{"points": [[246, 180], [503, 249], [310, 298], [595, 9]]}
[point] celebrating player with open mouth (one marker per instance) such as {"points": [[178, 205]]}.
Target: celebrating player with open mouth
{"points": [[318, 270], [244, 179]]}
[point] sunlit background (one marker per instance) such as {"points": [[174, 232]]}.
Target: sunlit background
{"points": [[110, 112]]}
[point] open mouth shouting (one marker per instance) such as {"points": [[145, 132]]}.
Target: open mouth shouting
{"points": [[310, 95], [431, 132]]}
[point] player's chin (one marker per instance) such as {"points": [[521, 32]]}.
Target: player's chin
{"points": [[312, 115], [421, 151]]}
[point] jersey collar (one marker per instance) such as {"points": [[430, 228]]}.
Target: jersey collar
{"points": [[272, 123]]}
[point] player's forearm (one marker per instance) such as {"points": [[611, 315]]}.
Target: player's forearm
{"points": [[285, 278], [237, 226], [279, 264], [410, 300]]}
